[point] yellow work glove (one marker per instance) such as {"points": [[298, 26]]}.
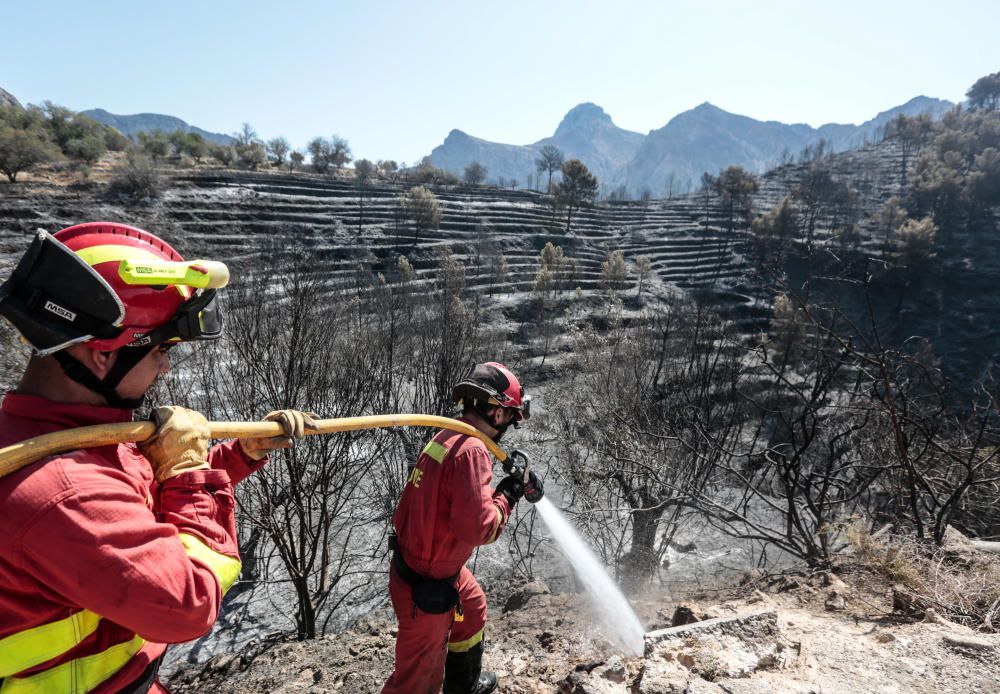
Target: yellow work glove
{"points": [[180, 443], [293, 422]]}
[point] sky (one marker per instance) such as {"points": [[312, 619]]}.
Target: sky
{"points": [[395, 77]]}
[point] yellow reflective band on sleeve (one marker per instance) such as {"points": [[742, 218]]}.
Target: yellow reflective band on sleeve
{"points": [[34, 646], [463, 646], [496, 525], [436, 451], [76, 676], [225, 568]]}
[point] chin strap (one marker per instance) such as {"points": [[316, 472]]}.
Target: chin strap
{"points": [[483, 410], [128, 357], [501, 430]]}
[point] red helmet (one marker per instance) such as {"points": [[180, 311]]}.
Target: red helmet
{"points": [[493, 383], [110, 285], [103, 247]]}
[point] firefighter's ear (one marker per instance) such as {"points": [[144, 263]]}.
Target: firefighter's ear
{"points": [[97, 362], [500, 416]]}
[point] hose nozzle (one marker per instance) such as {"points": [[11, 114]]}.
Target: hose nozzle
{"points": [[519, 465]]}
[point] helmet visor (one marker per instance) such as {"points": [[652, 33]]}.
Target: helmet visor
{"points": [[198, 318]]}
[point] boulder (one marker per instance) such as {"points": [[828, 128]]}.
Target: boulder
{"points": [[751, 626], [827, 579], [835, 602], [683, 614], [606, 678], [662, 676], [520, 597], [614, 670], [716, 649], [957, 547], [908, 603], [976, 643]]}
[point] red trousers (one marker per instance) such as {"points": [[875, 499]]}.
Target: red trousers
{"points": [[423, 640]]}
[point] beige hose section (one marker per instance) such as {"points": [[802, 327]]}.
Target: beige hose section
{"points": [[26, 452]]}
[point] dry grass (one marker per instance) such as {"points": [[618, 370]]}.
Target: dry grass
{"points": [[960, 583]]}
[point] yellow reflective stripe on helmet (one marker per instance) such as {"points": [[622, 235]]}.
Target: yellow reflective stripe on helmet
{"points": [[194, 273], [76, 676], [436, 451], [34, 646], [463, 646], [225, 568], [95, 255]]}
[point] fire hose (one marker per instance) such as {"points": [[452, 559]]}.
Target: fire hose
{"points": [[24, 453]]}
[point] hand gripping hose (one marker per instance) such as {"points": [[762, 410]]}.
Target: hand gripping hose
{"points": [[18, 455]]}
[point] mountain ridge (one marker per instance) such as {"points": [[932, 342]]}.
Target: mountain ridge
{"points": [[136, 123], [586, 132], [674, 156]]}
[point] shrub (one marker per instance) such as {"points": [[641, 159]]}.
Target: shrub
{"points": [[115, 141], [223, 154], [955, 580], [87, 149], [138, 180], [20, 150]]}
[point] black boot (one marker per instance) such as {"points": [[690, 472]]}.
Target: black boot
{"points": [[463, 673]]}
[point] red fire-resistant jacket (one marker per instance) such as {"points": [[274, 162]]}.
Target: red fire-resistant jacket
{"points": [[90, 534], [448, 507]]}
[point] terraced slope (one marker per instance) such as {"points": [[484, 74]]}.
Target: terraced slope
{"points": [[227, 213], [221, 213]]}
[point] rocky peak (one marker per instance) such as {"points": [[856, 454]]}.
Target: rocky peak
{"points": [[707, 107], [7, 99], [584, 118], [457, 136], [915, 106], [702, 113]]}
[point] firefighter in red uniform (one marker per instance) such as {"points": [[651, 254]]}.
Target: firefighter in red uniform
{"points": [[447, 510], [107, 554]]}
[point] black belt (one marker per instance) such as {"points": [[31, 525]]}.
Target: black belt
{"points": [[412, 577], [144, 682]]}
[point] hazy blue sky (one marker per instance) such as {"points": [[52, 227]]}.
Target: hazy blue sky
{"points": [[395, 77]]}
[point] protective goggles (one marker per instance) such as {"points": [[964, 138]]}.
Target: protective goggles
{"points": [[198, 318], [526, 406], [523, 412]]}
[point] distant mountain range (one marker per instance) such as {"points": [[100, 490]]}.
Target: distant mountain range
{"points": [[148, 122], [134, 124], [705, 138]]}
